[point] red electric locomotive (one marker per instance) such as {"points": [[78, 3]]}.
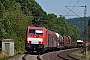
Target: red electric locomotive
{"points": [[35, 38], [38, 39]]}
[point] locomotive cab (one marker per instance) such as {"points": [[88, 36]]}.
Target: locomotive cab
{"points": [[35, 39]]}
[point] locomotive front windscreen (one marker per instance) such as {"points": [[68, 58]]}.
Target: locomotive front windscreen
{"points": [[35, 31]]}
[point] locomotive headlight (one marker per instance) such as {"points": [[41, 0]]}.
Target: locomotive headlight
{"points": [[40, 42], [30, 42], [27, 41]]}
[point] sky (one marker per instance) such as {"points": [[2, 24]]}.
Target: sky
{"points": [[58, 7]]}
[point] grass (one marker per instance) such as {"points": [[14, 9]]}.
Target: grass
{"points": [[88, 55], [82, 55], [4, 56]]}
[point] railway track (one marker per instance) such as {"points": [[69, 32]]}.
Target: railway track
{"points": [[61, 55], [31, 57], [55, 55], [15, 57], [26, 57], [67, 55]]}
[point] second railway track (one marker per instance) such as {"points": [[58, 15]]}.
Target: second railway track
{"points": [[67, 55]]}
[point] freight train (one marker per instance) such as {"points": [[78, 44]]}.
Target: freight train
{"points": [[39, 39]]}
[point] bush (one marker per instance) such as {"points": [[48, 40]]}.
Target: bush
{"points": [[89, 47]]}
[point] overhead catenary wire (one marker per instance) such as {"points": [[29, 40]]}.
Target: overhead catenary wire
{"points": [[84, 37], [72, 7], [69, 2]]}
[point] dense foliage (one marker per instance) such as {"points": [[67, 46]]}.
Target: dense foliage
{"points": [[89, 35], [16, 15], [89, 29], [89, 22], [79, 23]]}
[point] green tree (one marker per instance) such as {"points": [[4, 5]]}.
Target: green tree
{"points": [[2, 10], [1, 30], [16, 15], [33, 9], [15, 24]]}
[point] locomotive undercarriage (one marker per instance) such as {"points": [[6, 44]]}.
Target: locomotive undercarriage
{"points": [[34, 48]]}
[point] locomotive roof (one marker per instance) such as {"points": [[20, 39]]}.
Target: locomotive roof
{"points": [[36, 27]]}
